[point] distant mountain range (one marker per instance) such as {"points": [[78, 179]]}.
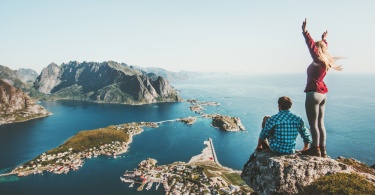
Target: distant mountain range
{"points": [[22, 78], [171, 76], [109, 82]]}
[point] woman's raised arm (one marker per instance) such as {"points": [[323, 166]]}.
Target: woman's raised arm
{"points": [[304, 26]]}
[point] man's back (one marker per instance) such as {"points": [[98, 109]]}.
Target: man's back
{"points": [[282, 130]]}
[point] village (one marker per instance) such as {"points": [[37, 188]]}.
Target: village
{"points": [[58, 162], [201, 175]]}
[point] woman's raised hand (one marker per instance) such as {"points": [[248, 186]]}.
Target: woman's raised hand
{"points": [[304, 25], [324, 35]]}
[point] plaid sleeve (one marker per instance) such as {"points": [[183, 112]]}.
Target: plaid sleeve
{"points": [[266, 131], [305, 133]]}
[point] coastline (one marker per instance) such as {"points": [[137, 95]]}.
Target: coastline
{"points": [[13, 122], [201, 174], [126, 146], [62, 162], [102, 102]]}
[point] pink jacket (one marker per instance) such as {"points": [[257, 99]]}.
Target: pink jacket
{"points": [[315, 72]]}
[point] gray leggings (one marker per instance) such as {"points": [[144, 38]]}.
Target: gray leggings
{"points": [[315, 106]]}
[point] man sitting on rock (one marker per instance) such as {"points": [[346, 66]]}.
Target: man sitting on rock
{"points": [[282, 130]]}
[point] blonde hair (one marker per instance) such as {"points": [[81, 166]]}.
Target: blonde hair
{"points": [[325, 57]]}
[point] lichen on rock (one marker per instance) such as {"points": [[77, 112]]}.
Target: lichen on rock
{"points": [[270, 173]]}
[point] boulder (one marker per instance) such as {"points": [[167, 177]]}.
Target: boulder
{"points": [[270, 173]]}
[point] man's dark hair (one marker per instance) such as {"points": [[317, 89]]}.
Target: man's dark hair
{"points": [[284, 103]]}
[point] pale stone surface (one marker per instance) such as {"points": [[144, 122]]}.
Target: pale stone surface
{"points": [[48, 79], [269, 173]]}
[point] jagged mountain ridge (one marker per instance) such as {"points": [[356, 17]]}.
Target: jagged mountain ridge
{"points": [[109, 82], [16, 106]]}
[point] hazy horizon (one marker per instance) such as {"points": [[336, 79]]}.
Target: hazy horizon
{"points": [[205, 36]]}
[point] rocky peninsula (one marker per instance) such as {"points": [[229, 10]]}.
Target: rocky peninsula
{"points": [[17, 106]]}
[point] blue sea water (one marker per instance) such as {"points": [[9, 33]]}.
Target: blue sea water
{"points": [[349, 120]]}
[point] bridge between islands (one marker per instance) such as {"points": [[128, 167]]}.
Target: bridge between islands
{"points": [[168, 121]]}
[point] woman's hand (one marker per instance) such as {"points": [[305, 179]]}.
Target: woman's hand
{"points": [[304, 26], [324, 35]]}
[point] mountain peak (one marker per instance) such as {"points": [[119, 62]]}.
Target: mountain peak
{"points": [[53, 64], [109, 81]]}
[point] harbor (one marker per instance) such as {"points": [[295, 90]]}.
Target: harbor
{"points": [[201, 175]]}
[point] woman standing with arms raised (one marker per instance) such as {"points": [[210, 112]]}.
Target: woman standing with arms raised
{"points": [[316, 91]]}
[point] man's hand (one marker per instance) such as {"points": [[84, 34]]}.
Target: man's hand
{"points": [[304, 26], [324, 35]]}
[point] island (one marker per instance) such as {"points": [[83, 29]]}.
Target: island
{"points": [[112, 141], [226, 123], [197, 106], [201, 175], [189, 120], [219, 121]]}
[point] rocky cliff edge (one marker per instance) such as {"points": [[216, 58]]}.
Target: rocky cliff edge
{"points": [[269, 173]]}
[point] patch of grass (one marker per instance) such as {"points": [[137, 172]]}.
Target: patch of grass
{"points": [[234, 178], [341, 183], [357, 165], [93, 138]]}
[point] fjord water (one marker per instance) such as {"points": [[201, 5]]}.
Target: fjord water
{"points": [[349, 122]]}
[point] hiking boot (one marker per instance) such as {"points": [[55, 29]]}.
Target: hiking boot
{"points": [[323, 152], [313, 151]]}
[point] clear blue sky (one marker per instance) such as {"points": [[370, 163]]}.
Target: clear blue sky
{"points": [[198, 35]]}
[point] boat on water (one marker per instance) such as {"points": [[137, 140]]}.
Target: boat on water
{"points": [[149, 185], [131, 185], [126, 180], [157, 186]]}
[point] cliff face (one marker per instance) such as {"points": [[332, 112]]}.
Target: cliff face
{"points": [[103, 82], [16, 106], [269, 173], [48, 79]]}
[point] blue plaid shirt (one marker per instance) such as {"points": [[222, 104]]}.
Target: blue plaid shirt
{"points": [[282, 130]]}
